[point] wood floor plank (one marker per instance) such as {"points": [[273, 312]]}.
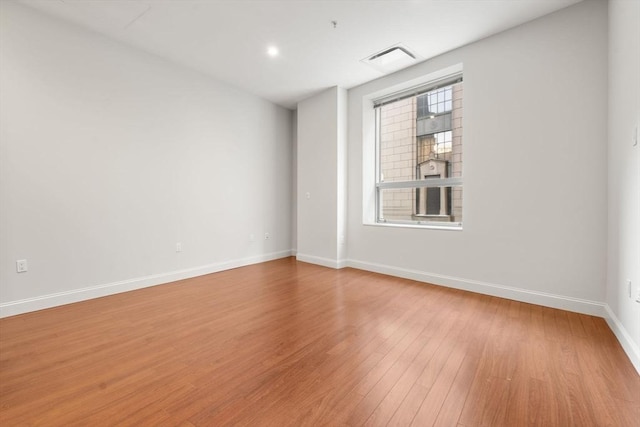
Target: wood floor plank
{"points": [[396, 395], [286, 343], [433, 401], [432, 358], [453, 404]]}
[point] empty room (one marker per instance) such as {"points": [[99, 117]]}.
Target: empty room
{"points": [[318, 212]]}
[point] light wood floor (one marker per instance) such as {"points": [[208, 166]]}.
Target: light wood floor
{"points": [[288, 343]]}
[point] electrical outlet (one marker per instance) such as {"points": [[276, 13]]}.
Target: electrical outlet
{"points": [[266, 236], [178, 247], [21, 266]]}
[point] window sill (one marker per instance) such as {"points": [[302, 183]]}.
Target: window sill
{"points": [[428, 226]]}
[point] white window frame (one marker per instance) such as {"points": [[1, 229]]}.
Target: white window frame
{"points": [[372, 185]]}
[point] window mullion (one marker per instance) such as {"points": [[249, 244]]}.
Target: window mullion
{"points": [[421, 183]]}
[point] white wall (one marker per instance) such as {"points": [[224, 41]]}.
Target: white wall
{"points": [[624, 174], [321, 154], [534, 164], [110, 156]]}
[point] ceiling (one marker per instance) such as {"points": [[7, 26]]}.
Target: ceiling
{"points": [[228, 39]]}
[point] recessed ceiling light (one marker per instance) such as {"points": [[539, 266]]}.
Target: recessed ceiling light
{"points": [[272, 51]]}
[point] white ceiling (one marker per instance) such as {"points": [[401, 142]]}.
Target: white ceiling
{"points": [[228, 39]]}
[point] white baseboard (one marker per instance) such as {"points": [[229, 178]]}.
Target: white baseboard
{"points": [[577, 305], [629, 347], [52, 300], [540, 298], [326, 262]]}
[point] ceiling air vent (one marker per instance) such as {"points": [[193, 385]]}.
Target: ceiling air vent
{"points": [[392, 59]]}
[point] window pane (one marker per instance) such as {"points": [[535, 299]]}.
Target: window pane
{"points": [[420, 138], [397, 204], [397, 140], [431, 204]]}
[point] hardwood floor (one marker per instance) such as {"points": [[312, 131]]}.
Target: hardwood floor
{"points": [[288, 343]]}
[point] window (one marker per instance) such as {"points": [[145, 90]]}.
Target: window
{"points": [[419, 155]]}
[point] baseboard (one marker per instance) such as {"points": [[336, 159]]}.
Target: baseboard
{"points": [[576, 305], [61, 298], [540, 298], [629, 347], [326, 262], [561, 302]]}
